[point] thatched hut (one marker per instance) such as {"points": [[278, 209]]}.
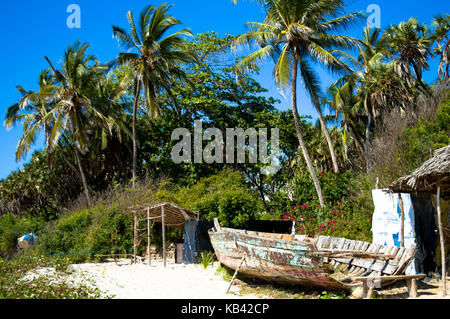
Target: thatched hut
{"points": [[433, 177], [426, 179]]}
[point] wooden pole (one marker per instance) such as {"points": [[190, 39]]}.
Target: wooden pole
{"points": [[135, 238], [441, 237], [402, 221], [163, 234], [235, 273], [148, 237]]}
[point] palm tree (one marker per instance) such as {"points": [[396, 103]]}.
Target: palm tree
{"points": [[441, 36], [36, 105], [368, 64], [157, 58], [297, 34], [410, 46], [347, 108], [73, 110]]}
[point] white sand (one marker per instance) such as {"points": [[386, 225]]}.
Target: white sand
{"points": [[141, 281]]}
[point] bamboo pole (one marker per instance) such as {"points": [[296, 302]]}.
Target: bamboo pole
{"points": [[441, 238], [163, 234], [402, 221], [148, 237]]}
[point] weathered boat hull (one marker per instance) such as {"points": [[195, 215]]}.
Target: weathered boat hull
{"points": [[272, 259], [298, 260]]}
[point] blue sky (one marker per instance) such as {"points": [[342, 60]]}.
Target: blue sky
{"points": [[33, 29]]}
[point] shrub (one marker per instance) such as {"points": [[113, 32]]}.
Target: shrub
{"points": [[335, 187], [340, 220], [207, 258], [224, 196]]}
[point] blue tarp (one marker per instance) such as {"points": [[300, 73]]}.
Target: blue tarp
{"points": [[26, 240]]}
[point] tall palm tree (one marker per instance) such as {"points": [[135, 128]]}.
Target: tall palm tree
{"points": [[73, 110], [410, 46], [368, 64], [297, 34], [36, 106], [441, 36], [154, 57]]}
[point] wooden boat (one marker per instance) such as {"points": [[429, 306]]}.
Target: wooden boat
{"points": [[326, 262]]}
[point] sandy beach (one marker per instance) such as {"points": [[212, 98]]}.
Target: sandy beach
{"points": [[123, 280], [141, 281]]}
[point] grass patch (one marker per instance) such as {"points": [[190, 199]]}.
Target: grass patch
{"points": [[275, 291]]}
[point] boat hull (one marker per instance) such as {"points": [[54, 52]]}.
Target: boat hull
{"points": [[272, 259]]}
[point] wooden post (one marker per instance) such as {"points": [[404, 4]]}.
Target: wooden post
{"points": [[235, 273], [441, 238], [163, 234], [412, 287], [135, 238], [402, 221], [148, 237]]}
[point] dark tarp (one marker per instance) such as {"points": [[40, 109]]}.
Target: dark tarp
{"points": [[196, 240], [270, 226], [426, 233]]}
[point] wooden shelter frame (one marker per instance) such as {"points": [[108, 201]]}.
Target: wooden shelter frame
{"points": [[433, 177], [167, 214]]}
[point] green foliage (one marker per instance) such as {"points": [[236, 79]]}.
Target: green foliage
{"points": [[98, 228], [426, 136], [13, 285], [335, 187], [207, 258], [37, 190], [11, 228], [224, 196]]}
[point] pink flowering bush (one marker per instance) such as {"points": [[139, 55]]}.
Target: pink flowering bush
{"points": [[339, 220]]}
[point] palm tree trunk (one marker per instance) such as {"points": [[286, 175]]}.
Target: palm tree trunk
{"points": [[300, 135], [83, 175], [369, 122], [135, 106], [327, 137]]}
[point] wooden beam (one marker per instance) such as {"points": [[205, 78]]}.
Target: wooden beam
{"points": [[442, 242], [402, 221], [393, 277], [163, 234], [148, 238], [235, 274], [135, 237]]}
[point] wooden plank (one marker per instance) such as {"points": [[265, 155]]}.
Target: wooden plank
{"points": [[394, 277], [365, 246], [320, 241], [392, 265], [327, 242]]}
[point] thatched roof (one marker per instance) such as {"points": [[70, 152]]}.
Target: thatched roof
{"points": [[173, 215], [426, 178]]}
